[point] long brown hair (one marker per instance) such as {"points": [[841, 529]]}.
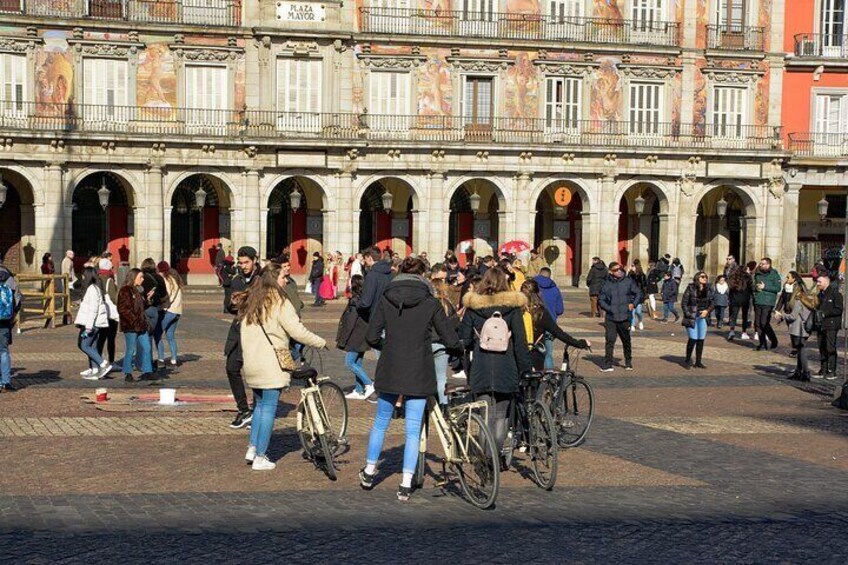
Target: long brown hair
{"points": [[495, 280], [262, 295], [535, 306]]}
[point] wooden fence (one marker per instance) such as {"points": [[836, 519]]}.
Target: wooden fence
{"points": [[44, 297]]}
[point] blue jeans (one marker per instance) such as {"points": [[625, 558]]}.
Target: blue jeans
{"points": [[414, 408], [135, 342], [5, 357], [549, 351], [87, 343], [265, 401], [668, 308], [353, 361], [169, 329], [637, 315], [440, 358], [700, 329]]}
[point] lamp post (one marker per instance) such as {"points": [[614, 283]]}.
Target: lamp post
{"points": [[721, 207], [474, 202], [387, 199], [200, 197], [639, 204], [103, 194], [295, 199], [821, 207]]}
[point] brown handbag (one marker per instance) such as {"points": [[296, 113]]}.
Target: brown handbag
{"points": [[284, 356]]}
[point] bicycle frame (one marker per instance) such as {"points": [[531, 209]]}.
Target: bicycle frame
{"points": [[453, 453], [307, 398]]}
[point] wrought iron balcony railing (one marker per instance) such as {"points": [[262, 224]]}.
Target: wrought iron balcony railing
{"points": [[494, 25], [193, 12], [818, 45], [813, 144], [259, 125], [735, 38]]}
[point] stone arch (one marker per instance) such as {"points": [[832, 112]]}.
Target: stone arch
{"points": [[416, 191], [233, 199], [589, 197], [131, 182], [503, 192], [660, 190], [737, 233], [372, 227], [271, 182], [17, 219], [32, 197], [753, 205]]}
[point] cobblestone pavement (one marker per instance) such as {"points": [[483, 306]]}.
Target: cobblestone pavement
{"points": [[728, 464]]}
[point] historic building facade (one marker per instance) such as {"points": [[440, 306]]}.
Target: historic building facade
{"points": [[619, 128]]}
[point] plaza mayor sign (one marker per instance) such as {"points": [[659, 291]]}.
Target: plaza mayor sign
{"points": [[300, 12]]}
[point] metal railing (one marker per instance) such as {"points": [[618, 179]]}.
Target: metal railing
{"points": [[496, 25], [813, 144], [735, 38], [256, 124], [194, 12], [821, 45]]}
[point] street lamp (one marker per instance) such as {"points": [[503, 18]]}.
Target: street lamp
{"points": [[639, 204], [295, 198], [474, 201], [721, 207], [200, 197], [387, 199], [103, 194], [821, 206]]}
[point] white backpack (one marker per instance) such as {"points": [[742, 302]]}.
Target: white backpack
{"points": [[494, 336]]}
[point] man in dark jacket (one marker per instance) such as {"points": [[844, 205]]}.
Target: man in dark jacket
{"points": [[767, 286], [316, 275], [595, 280], [376, 279], [830, 308], [619, 296], [248, 269], [9, 289]]}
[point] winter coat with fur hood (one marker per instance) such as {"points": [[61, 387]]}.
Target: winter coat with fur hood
{"points": [[492, 371]]}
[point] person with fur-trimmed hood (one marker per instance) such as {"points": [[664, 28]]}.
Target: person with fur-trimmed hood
{"points": [[494, 376]]}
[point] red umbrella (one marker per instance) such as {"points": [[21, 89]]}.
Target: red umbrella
{"points": [[515, 247]]}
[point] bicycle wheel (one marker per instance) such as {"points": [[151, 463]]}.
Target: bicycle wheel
{"points": [[543, 445], [335, 414], [478, 470], [574, 413], [420, 466], [327, 453], [307, 438]]}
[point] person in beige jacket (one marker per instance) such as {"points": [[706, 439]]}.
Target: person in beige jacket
{"points": [[268, 321]]}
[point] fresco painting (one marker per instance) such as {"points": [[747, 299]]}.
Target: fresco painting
{"points": [[54, 76], [676, 88], [699, 118], [435, 90], [765, 22], [701, 21], [156, 81], [238, 87], [679, 6], [607, 9], [605, 105], [761, 100], [521, 89], [524, 16]]}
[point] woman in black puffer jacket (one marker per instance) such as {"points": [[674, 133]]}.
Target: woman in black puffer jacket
{"points": [[741, 293], [697, 305]]}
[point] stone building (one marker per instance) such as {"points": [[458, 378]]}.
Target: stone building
{"points": [[619, 128]]}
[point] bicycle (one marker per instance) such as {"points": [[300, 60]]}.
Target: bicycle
{"points": [[571, 401], [321, 416], [467, 444], [531, 430]]}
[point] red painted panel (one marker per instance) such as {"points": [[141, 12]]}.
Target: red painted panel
{"points": [[798, 97], [623, 230], [800, 18], [572, 258], [119, 238], [464, 231], [205, 264], [298, 247], [383, 230], [409, 241]]}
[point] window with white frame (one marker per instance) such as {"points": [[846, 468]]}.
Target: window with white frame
{"points": [[478, 101], [646, 103], [389, 100], [206, 95], [728, 111], [831, 113], [299, 93], [833, 27], [105, 89], [565, 10], [731, 14], [478, 10], [13, 79], [646, 14], [562, 104]]}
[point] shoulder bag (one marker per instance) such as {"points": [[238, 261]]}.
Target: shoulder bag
{"points": [[284, 356]]}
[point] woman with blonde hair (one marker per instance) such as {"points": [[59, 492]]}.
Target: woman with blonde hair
{"points": [[173, 312], [268, 322]]}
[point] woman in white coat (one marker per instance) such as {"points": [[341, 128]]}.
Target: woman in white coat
{"points": [[92, 317]]}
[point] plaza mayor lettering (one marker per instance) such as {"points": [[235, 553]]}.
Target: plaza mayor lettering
{"points": [[299, 12]]}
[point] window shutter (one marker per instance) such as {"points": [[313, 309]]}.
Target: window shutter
{"points": [[299, 85], [645, 107], [389, 93], [13, 80]]}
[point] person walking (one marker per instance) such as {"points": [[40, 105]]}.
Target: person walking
{"points": [[619, 297], [246, 275], [133, 323], [107, 337], [535, 264], [47, 266], [638, 275], [552, 298], [10, 305], [538, 322], [228, 271], [677, 270], [316, 275], [267, 321], [653, 289], [721, 299], [351, 340], [173, 313], [670, 292], [494, 375], [766, 288], [830, 318], [730, 266], [156, 295], [68, 269], [697, 305], [740, 287], [376, 279], [796, 308], [92, 317], [595, 281], [400, 327]]}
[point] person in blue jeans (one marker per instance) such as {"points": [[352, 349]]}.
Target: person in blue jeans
{"points": [[351, 339], [92, 317], [400, 327], [552, 297], [134, 325], [172, 314], [670, 292], [10, 304], [697, 304]]}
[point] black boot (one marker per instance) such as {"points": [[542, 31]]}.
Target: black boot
{"points": [[690, 347], [699, 353]]}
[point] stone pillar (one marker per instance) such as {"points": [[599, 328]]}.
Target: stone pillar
{"points": [[51, 217], [249, 230], [667, 243], [155, 244], [608, 219], [522, 213], [166, 239], [789, 248], [773, 229], [589, 242], [437, 233], [347, 222]]}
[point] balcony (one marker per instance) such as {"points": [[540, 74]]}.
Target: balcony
{"points": [[136, 121], [186, 12], [821, 46], [735, 38], [825, 145], [495, 25]]}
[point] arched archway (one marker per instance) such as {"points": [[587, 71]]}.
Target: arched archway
{"points": [[557, 232], [639, 224], [17, 222], [200, 218], [301, 230], [392, 228], [474, 232], [721, 228], [95, 228]]}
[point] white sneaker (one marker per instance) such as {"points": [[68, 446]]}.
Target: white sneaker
{"points": [[353, 395], [86, 372], [92, 376], [262, 464], [632, 328], [459, 375], [105, 369], [641, 326], [250, 456], [756, 336], [173, 361], [745, 336], [369, 390]]}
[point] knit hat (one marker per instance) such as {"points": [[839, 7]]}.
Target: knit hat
{"points": [[104, 265], [163, 267]]}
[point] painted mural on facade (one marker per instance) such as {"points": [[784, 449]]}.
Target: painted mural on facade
{"points": [[606, 97], [435, 90], [761, 99], [156, 81], [701, 21], [521, 89], [54, 76], [676, 88], [699, 116], [607, 9], [764, 21]]}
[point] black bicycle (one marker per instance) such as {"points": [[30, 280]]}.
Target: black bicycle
{"points": [[571, 402], [532, 431]]}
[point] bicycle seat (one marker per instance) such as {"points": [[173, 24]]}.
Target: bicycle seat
{"points": [[304, 373], [529, 375], [457, 389]]}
